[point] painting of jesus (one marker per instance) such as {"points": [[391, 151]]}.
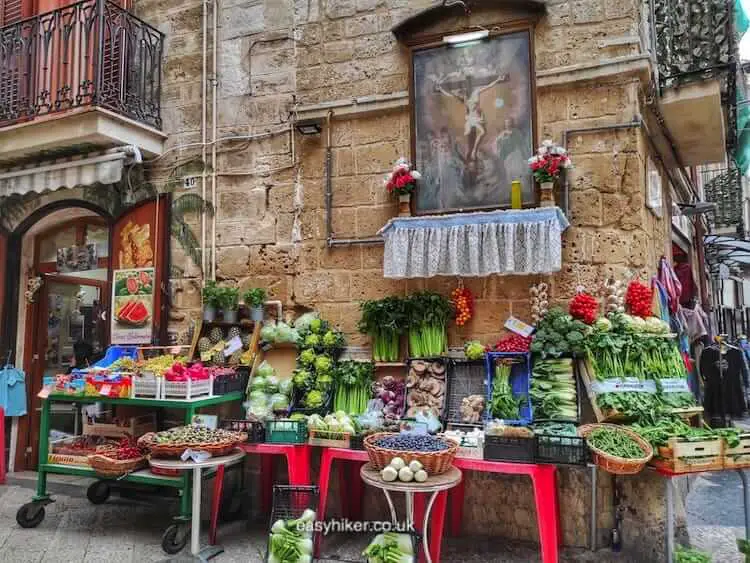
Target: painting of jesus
{"points": [[473, 123]]}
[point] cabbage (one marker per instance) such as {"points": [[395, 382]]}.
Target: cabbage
{"points": [[265, 370], [257, 395], [286, 386], [603, 324], [269, 332], [303, 321], [272, 384], [258, 383], [279, 402], [259, 409], [285, 333]]}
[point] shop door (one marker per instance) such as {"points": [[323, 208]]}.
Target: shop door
{"points": [[3, 260], [71, 333]]}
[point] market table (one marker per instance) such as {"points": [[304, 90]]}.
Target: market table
{"points": [[545, 497], [32, 513], [197, 466], [298, 464], [668, 480], [435, 485]]}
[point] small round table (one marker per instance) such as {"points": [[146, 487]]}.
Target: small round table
{"points": [[434, 484], [211, 551]]}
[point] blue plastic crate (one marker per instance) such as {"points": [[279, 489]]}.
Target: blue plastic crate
{"points": [[520, 382], [114, 353]]}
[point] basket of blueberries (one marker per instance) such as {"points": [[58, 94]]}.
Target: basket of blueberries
{"points": [[435, 453]]}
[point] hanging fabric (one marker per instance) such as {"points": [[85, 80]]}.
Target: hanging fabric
{"points": [[13, 391], [671, 283]]}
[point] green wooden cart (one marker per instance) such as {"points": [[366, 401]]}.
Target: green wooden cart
{"points": [[176, 535]]}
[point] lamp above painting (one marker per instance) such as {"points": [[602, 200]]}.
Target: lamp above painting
{"points": [[463, 38]]}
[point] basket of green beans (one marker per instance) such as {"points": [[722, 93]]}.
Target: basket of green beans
{"points": [[616, 449]]}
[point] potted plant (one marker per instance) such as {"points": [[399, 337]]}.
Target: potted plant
{"points": [[229, 299], [254, 300], [210, 294], [402, 182], [546, 165], [384, 320]]}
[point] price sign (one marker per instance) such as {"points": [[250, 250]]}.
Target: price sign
{"points": [[519, 327], [674, 385]]}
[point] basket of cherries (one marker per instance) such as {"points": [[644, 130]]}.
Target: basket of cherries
{"points": [[121, 460]]}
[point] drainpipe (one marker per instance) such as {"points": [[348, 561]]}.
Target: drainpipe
{"points": [[204, 105], [329, 187], [214, 91]]}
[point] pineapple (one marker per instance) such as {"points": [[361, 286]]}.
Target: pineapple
{"points": [[246, 338], [234, 331], [235, 358], [204, 344], [218, 359], [216, 335]]}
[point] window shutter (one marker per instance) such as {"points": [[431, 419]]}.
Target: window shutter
{"points": [[11, 12]]}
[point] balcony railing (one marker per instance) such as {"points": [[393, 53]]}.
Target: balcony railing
{"points": [[92, 53], [724, 188]]}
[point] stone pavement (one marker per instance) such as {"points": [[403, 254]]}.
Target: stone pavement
{"points": [[129, 531]]}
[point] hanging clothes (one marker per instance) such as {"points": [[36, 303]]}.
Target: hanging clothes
{"points": [[671, 283], [684, 272], [13, 391], [723, 374]]}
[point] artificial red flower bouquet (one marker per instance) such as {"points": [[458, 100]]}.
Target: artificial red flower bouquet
{"points": [[548, 162], [403, 180]]}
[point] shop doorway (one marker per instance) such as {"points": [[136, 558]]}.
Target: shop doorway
{"points": [[72, 332]]}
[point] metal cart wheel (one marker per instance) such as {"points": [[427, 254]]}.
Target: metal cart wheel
{"points": [[30, 515], [175, 538], [98, 492]]}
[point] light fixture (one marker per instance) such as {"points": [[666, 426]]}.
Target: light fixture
{"points": [[309, 127], [692, 209], [466, 37]]}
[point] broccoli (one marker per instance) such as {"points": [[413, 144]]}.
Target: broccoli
{"points": [[312, 340], [307, 357], [313, 399]]}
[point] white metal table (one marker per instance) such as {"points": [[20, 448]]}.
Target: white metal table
{"points": [[210, 551], [434, 484]]}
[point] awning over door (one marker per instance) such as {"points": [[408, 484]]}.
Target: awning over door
{"points": [[102, 168]]}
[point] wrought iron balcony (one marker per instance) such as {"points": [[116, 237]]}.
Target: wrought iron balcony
{"points": [[92, 53], [724, 188]]}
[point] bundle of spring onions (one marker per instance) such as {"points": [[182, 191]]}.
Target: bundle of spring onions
{"points": [[390, 548], [553, 390], [428, 315], [291, 540], [503, 404]]}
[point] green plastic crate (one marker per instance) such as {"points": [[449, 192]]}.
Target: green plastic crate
{"points": [[286, 431]]}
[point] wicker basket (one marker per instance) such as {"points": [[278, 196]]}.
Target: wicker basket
{"points": [[435, 463], [109, 467], [613, 464], [175, 450]]}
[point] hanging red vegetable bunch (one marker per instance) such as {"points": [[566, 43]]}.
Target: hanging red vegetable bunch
{"points": [[584, 307], [463, 302], [639, 298]]}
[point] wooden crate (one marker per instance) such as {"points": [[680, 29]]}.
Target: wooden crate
{"points": [[586, 371], [137, 427], [329, 439], [738, 457], [691, 457]]}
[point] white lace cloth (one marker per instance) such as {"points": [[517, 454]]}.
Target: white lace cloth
{"points": [[474, 244]]}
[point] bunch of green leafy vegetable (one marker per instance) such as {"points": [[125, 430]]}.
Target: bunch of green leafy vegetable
{"points": [[503, 404], [553, 390], [632, 404], [353, 386], [558, 334], [384, 320], [615, 442], [687, 555], [428, 315]]}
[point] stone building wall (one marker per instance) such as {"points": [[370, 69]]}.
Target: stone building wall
{"points": [[270, 208]]}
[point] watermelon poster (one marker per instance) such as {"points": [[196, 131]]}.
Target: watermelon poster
{"points": [[132, 306]]}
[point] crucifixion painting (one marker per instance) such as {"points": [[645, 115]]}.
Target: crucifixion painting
{"points": [[473, 123]]}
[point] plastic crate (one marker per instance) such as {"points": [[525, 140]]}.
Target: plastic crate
{"points": [[189, 389], [286, 431], [289, 502], [467, 378], [230, 383], [357, 442], [114, 353], [136, 427], [561, 450], [520, 382], [146, 386], [505, 448], [254, 429]]}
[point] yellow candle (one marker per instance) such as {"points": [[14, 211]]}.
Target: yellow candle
{"points": [[515, 194]]}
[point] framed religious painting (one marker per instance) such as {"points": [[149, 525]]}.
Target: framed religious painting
{"points": [[472, 122]]}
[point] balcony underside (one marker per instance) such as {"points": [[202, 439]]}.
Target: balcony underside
{"points": [[91, 127], [694, 116]]}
